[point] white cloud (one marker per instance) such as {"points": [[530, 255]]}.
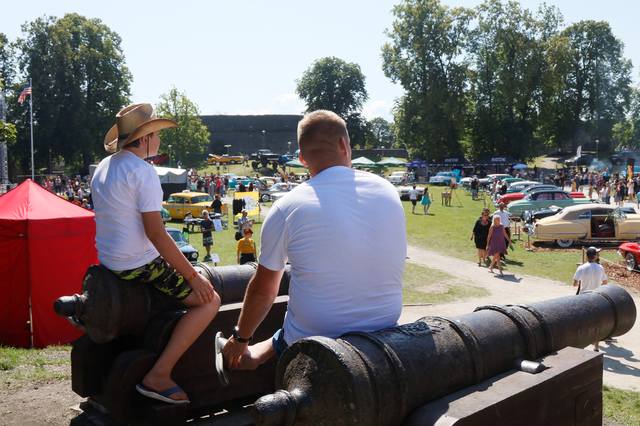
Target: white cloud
{"points": [[377, 108]]}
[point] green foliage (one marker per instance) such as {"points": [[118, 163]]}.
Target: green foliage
{"points": [[500, 79], [80, 81], [622, 406], [382, 134], [189, 141], [8, 133], [424, 56], [7, 71], [333, 84]]}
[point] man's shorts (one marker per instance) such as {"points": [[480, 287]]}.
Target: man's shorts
{"points": [[278, 343], [414, 202], [159, 274]]}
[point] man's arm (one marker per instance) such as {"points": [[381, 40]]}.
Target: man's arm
{"points": [[154, 229]]}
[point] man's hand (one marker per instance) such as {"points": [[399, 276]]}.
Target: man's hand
{"points": [[234, 351], [202, 288]]}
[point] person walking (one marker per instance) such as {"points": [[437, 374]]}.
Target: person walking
{"points": [[426, 200], [246, 248], [589, 276], [480, 235], [413, 197], [207, 238], [497, 243]]}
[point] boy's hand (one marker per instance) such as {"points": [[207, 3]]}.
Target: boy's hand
{"points": [[202, 288]]}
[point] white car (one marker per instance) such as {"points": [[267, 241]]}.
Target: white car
{"points": [[486, 181], [281, 191], [398, 178], [443, 178], [403, 192]]}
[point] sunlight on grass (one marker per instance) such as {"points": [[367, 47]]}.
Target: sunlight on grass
{"points": [[35, 365], [621, 405], [426, 285]]}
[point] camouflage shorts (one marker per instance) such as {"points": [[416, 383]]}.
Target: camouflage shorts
{"points": [[159, 274]]}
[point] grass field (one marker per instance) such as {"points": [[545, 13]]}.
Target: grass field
{"points": [[453, 225]]}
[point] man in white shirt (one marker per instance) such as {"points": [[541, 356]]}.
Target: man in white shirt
{"points": [[413, 197], [343, 231], [589, 276]]}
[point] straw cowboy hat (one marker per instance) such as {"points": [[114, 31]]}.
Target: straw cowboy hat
{"points": [[132, 123]]}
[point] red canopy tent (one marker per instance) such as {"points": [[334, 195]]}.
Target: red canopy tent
{"points": [[46, 245]]}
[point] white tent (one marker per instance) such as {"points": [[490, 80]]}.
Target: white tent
{"points": [[169, 175]]}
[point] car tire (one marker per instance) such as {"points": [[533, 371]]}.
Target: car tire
{"points": [[265, 198], [564, 243], [631, 262]]}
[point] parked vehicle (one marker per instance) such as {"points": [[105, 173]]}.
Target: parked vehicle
{"points": [[403, 192], [281, 187], [515, 196], [542, 199], [398, 178], [443, 178], [521, 186], [489, 179], [180, 204], [225, 159], [187, 249], [591, 222], [630, 251]]}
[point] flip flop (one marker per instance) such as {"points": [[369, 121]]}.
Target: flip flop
{"points": [[223, 375], [164, 395]]}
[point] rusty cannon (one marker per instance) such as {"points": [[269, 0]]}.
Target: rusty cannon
{"points": [[405, 374], [128, 324]]}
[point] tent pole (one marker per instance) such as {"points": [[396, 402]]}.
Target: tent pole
{"points": [[30, 324]]}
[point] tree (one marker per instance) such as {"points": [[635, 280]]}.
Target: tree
{"points": [[381, 132], [424, 55], [80, 81], [339, 86], [190, 140], [7, 71]]}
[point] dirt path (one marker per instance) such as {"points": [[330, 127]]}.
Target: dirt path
{"points": [[621, 359]]}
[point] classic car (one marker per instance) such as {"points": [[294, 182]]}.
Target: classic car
{"points": [[515, 196], [225, 159], [187, 249], [275, 196], [489, 179], [521, 186], [277, 188], [403, 192], [180, 204], [398, 178], [544, 198], [631, 253], [588, 222], [443, 178]]}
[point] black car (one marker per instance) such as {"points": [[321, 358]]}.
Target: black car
{"points": [[187, 249]]}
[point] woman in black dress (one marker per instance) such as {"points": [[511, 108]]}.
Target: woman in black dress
{"points": [[479, 235]]}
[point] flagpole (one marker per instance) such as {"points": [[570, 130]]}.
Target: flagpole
{"points": [[33, 170]]}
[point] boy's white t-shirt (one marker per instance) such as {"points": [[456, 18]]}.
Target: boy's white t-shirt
{"points": [[123, 187], [344, 233]]}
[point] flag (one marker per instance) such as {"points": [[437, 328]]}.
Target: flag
{"points": [[23, 94]]}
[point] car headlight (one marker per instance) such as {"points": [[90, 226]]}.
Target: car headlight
{"points": [[194, 255]]}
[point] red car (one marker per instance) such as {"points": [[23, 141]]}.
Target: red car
{"points": [[514, 196], [631, 253]]}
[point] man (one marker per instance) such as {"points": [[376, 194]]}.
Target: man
{"points": [[343, 231], [413, 197], [589, 276], [133, 243], [216, 204]]}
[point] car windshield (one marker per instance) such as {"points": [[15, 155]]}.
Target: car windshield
{"points": [[176, 235], [201, 199]]}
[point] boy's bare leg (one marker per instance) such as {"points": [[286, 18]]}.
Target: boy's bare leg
{"points": [[188, 329]]}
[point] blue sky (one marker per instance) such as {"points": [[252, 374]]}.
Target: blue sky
{"points": [[243, 57]]}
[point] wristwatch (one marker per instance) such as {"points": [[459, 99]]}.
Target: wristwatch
{"points": [[236, 336]]}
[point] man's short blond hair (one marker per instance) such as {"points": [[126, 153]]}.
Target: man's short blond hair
{"points": [[319, 133]]}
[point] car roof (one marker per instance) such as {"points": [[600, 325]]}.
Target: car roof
{"points": [[577, 207], [188, 194], [168, 228], [546, 189]]}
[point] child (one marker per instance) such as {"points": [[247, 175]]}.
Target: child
{"points": [[246, 248], [134, 245], [207, 239], [426, 200]]}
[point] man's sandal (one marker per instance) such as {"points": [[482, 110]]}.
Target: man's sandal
{"points": [[223, 374]]}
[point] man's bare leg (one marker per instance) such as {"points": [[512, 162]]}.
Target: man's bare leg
{"points": [[188, 329]]}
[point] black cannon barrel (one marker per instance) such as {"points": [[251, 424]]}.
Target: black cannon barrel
{"points": [[110, 307], [379, 378]]}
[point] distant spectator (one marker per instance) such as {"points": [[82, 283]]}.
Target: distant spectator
{"points": [[246, 248]]}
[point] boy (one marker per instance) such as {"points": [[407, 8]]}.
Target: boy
{"points": [[133, 243]]}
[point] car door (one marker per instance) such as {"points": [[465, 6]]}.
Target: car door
{"points": [[180, 207], [627, 226], [561, 199], [171, 206]]}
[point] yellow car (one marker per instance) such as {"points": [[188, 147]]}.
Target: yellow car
{"points": [[181, 203], [589, 223], [225, 159]]}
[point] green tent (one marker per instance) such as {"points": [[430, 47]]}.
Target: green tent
{"points": [[363, 162], [391, 161]]}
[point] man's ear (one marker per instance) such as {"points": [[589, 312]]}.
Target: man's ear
{"points": [[302, 160]]}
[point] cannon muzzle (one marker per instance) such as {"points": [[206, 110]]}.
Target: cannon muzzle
{"points": [[379, 378], [68, 306]]}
